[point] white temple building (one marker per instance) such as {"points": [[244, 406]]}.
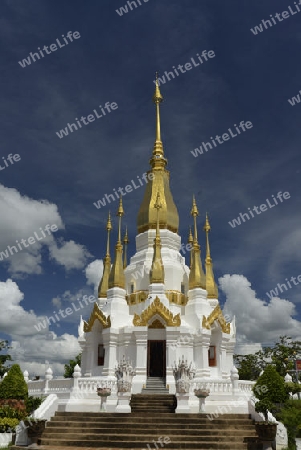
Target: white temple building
{"points": [[158, 307], [155, 310]]}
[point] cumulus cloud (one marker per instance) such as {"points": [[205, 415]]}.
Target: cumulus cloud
{"points": [[258, 320], [94, 273], [29, 348], [23, 217], [69, 254]]}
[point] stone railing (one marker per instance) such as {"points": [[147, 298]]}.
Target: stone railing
{"points": [[215, 386]]}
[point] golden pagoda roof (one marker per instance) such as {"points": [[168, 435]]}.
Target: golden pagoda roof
{"points": [[147, 215]]}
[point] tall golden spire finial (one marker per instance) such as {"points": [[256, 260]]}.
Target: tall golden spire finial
{"points": [[116, 278], [194, 213], [197, 277], [125, 244], [104, 282], [157, 269], [211, 286], [190, 242], [158, 161], [158, 180]]}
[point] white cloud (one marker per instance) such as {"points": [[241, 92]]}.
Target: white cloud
{"points": [[31, 349], [69, 254], [94, 273], [256, 319], [23, 217]]}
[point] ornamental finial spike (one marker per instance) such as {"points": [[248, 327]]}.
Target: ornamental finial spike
{"points": [[157, 97], [211, 286]]}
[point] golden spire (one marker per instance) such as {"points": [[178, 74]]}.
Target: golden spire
{"points": [[157, 270], [116, 278], [125, 243], [104, 282], [158, 159], [190, 241], [197, 277], [158, 180], [211, 286]]}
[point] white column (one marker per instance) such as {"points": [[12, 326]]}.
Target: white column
{"points": [[171, 354], [110, 343], [223, 359], [201, 347], [141, 359], [89, 356]]}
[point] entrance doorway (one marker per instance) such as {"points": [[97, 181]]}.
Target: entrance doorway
{"points": [[156, 359]]}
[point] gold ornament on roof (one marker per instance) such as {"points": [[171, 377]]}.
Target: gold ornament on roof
{"points": [[154, 308], [157, 269], [125, 244], [97, 314], [147, 215], [117, 278], [211, 286], [216, 314], [104, 282], [197, 277]]}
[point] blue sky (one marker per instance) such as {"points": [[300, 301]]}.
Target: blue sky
{"points": [[57, 180]]}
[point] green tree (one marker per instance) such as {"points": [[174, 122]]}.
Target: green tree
{"points": [[281, 355], [3, 358], [290, 415], [249, 366], [69, 368], [270, 389], [14, 385]]}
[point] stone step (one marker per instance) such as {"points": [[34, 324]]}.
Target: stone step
{"points": [[136, 426], [141, 430], [119, 444], [193, 432], [126, 437], [150, 417]]}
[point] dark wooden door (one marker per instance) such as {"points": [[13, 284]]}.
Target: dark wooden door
{"points": [[156, 352]]}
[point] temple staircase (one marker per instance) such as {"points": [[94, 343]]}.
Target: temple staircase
{"points": [[155, 386], [143, 429]]}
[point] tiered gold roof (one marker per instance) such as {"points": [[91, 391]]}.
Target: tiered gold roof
{"points": [[147, 215]]}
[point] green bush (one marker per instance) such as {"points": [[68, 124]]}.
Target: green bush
{"points": [[12, 413], [14, 385], [270, 390], [8, 425], [32, 403], [290, 416]]}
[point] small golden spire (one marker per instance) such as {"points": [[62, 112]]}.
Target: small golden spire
{"points": [[157, 269], [104, 282], [125, 244], [197, 277], [211, 286], [116, 278], [190, 242]]}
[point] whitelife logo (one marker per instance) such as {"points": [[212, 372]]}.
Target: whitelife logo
{"points": [[242, 127], [128, 188], [260, 209], [53, 48], [72, 126], [183, 68], [31, 241]]}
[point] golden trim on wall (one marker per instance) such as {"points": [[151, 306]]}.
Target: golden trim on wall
{"points": [[173, 296], [157, 307], [216, 314], [97, 314]]}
